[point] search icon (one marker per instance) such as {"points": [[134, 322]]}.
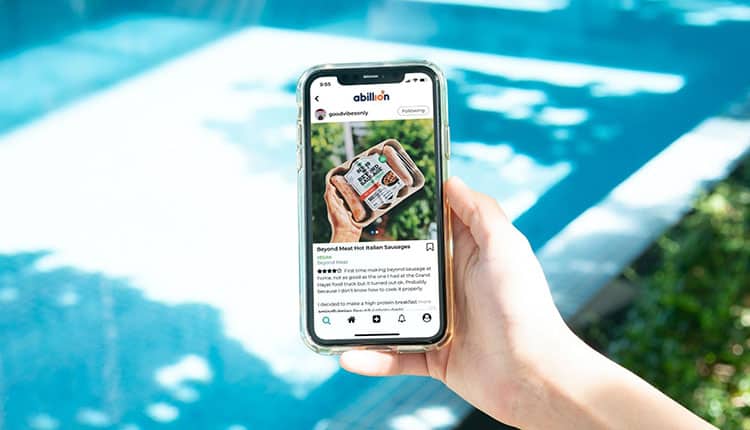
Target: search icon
{"points": [[326, 320]]}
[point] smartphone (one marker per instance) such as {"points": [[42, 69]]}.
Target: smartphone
{"points": [[374, 228]]}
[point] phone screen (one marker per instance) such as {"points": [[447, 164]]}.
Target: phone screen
{"points": [[374, 211]]}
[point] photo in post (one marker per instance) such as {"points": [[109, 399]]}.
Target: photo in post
{"points": [[380, 176]]}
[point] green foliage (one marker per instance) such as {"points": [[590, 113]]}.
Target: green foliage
{"points": [[688, 332], [410, 219]]}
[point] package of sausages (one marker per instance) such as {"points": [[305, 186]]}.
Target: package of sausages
{"points": [[376, 180]]}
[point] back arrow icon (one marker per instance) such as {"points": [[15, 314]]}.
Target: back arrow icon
{"points": [[316, 99]]}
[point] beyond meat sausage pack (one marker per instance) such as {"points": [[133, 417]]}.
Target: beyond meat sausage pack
{"points": [[376, 180]]}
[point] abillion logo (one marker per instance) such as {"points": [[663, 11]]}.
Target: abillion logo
{"points": [[372, 97]]}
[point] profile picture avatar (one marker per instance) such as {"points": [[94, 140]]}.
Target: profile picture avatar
{"points": [[320, 114]]}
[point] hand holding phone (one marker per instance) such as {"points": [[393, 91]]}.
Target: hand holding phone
{"points": [[512, 355]]}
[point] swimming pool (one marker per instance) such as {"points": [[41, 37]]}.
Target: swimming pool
{"points": [[142, 286]]}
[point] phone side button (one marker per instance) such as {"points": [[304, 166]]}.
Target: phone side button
{"points": [[447, 146], [299, 146]]}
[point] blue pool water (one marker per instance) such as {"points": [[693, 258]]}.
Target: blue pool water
{"points": [[143, 281]]}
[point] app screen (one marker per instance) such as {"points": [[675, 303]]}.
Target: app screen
{"points": [[375, 255]]}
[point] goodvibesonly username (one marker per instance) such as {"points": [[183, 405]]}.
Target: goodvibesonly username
{"points": [[348, 113]]}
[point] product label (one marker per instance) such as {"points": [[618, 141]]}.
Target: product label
{"points": [[374, 180]]}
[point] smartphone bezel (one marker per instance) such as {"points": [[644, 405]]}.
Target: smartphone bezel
{"points": [[439, 126]]}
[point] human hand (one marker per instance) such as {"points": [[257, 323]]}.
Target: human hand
{"points": [[512, 355], [505, 319], [343, 228]]}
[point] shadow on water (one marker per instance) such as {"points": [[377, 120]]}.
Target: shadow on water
{"points": [[81, 349]]}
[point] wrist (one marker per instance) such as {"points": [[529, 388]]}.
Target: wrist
{"points": [[345, 235], [576, 387], [560, 384]]}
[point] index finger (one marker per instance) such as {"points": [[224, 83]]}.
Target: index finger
{"points": [[479, 212], [377, 363]]}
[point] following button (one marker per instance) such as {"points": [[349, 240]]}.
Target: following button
{"points": [[413, 110]]}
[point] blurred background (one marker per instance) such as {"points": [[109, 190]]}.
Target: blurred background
{"points": [[148, 249]]}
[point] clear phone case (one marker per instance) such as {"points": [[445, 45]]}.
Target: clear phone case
{"points": [[302, 223]]}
